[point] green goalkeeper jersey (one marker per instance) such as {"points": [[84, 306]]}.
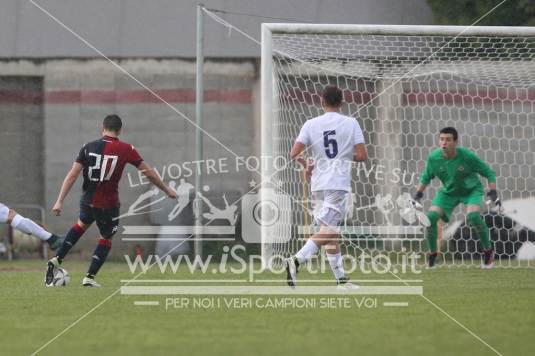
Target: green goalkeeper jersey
{"points": [[459, 175]]}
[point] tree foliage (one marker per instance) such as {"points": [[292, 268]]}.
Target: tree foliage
{"points": [[466, 12]]}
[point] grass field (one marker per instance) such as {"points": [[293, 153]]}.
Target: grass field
{"points": [[496, 305]]}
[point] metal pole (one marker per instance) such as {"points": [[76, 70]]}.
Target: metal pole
{"points": [[199, 98], [267, 130]]}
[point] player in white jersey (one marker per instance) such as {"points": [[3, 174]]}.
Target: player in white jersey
{"points": [[335, 141], [27, 226]]}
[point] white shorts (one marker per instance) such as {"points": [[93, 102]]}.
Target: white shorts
{"points": [[330, 207], [4, 213]]}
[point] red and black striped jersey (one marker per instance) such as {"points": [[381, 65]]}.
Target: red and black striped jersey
{"points": [[103, 163]]}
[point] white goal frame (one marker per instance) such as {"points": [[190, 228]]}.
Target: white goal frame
{"points": [[267, 71]]}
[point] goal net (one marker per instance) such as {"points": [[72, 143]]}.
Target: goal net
{"points": [[403, 84]]}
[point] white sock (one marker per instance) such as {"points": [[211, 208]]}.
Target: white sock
{"points": [[29, 227], [337, 265], [308, 250]]}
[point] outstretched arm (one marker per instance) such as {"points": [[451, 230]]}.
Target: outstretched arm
{"points": [[420, 192], [155, 179], [484, 169], [425, 179], [66, 186]]}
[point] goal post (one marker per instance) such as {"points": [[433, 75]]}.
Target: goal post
{"points": [[403, 84]]}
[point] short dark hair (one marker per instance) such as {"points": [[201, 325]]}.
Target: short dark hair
{"points": [[450, 131], [332, 96], [112, 123]]}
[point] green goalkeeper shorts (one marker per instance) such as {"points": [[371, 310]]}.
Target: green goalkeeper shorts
{"points": [[448, 202]]}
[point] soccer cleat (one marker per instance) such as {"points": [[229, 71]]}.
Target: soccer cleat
{"points": [[488, 258], [90, 282], [431, 260], [54, 242], [292, 267], [51, 266], [343, 283]]}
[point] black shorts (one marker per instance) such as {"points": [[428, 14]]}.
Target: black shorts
{"points": [[107, 219]]}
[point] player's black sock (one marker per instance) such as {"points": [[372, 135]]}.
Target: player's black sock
{"points": [[431, 259], [71, 239], [53, 241], [99, 256]]}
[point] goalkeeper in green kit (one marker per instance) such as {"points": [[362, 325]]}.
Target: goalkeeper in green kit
{"points": [[458, 169]]}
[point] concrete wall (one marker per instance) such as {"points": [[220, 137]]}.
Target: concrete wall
{"points": [[77, 94], [21, 139]]}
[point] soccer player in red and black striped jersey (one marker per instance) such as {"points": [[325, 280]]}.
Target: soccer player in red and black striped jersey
{"points": [[102, 162]]}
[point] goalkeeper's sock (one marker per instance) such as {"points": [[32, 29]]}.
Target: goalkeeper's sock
{"points": [[431, 259], [71, 239], [308, 250], [482, 231], [337, 265], [431, 232], [99, 257], [29, 227]]}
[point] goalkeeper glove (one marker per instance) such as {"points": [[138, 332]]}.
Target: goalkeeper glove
{"points": [[418, 196], [416, 200], [493, 195]]}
